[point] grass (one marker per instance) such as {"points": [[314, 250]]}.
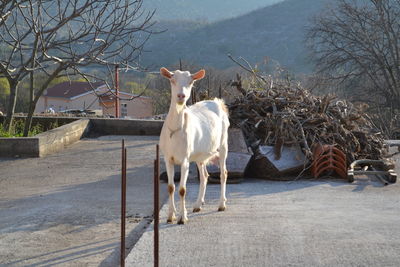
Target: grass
{"points": [[17, 129]]}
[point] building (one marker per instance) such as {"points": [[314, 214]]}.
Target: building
{"points": [[95, 96]]}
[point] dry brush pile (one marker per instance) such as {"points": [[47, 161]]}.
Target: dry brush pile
{"points": [[287, 114]]}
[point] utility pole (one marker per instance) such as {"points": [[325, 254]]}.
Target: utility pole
{"points": [[116, 92]]}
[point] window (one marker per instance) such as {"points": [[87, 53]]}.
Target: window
{"points": [[124, 110]]}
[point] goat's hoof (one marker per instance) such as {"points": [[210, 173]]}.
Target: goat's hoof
{"points": [[221, 208], [182, 221], [196, 209], [171, 220]]}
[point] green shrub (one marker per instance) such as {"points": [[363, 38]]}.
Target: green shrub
{"points": [[3, 132], [17, 129]]}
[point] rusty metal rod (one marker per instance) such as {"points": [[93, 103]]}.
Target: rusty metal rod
{"points": [[156, 207], [123, 203], [117, 113]]}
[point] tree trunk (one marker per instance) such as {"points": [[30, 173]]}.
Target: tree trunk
{"points": [[28, 121], [11, 106], [35, 98]]}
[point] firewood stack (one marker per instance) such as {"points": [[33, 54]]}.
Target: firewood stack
{"points": [[289, 114]]}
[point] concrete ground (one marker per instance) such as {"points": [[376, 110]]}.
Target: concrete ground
{"points": [[267, 223], [64, 209]]}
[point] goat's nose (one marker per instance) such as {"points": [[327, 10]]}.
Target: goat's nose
{"points": [[181, 96]]}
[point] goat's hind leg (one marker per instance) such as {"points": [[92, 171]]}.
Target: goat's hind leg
{"points": [[171, 190], [223, 154], [203, 184]]}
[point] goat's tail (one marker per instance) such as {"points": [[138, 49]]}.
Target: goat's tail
{"points": [[222, 104], [225, 123]]}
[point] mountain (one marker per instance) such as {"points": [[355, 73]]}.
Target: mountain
{"points": [[276, 32], [205, 10]]}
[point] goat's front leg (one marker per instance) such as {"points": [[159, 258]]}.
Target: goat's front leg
{"points": [[182, 191], [203, 183], [171, 189]]}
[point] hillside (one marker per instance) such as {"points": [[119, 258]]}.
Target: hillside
{"points": [[205, 10], [276, 32]]}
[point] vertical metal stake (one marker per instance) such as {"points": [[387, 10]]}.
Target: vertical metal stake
{"points": [[156, 206], [123, 203], [117, 113]]}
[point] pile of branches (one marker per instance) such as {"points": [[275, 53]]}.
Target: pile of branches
{"points": [[287, 114]]}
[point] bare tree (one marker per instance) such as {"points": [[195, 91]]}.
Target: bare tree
{"points": [[358, 41], [67, 37]]}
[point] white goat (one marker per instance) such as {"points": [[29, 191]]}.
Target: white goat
{"points": [[197, 133]]}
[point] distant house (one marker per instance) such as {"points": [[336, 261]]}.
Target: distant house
{"points": [[80, 95]]}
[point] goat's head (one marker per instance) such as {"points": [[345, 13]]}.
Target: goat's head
{"points": [[181, 84]]}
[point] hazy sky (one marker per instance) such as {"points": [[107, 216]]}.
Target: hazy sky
{"points": [[205, 10]]}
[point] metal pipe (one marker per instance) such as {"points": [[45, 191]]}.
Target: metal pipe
{"points": [[156, 207], [381, 176], [374, 172], [123, 203]]}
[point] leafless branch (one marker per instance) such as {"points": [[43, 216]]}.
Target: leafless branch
{"points": [[357, 42], [51, 37], [249, 68]]}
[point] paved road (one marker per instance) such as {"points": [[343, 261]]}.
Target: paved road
{"points": [[64, 209], [301, 223]]}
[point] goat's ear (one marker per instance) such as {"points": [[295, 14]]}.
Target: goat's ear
{"points": [[199, 75], [166, 73]]}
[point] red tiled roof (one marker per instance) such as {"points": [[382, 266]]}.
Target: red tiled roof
{"points": [[71, 89]]}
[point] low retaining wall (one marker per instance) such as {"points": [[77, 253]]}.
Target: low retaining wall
{"points": [[55, 140], [125, 127], [19, 147], [45, 143]]}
